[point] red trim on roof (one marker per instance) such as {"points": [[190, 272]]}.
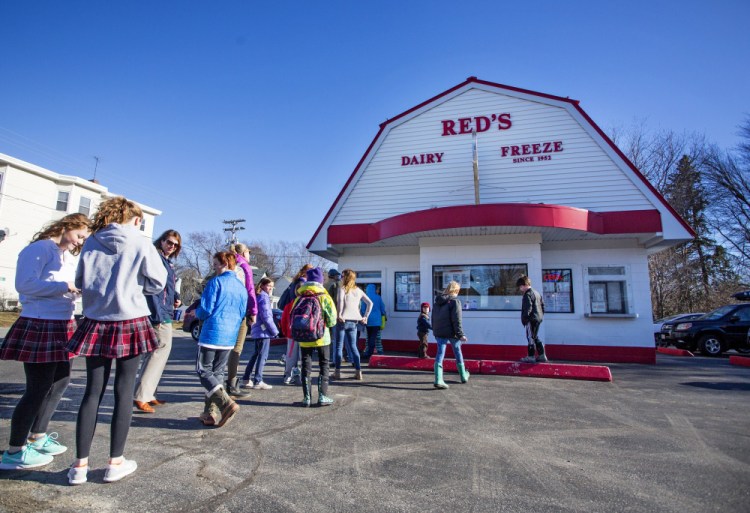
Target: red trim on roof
{"points": [[498, 214], [575, 103]]}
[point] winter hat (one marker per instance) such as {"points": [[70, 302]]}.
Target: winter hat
{"points": [[315, 274], [425, 304], [333, 273]]}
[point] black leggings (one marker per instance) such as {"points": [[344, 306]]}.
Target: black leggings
{"points": [[97, 376], [45, 384]]}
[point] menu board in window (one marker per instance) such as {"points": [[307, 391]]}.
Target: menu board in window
{"points": [[557, 288], [407, 292]]}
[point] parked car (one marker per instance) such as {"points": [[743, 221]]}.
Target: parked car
{"points": [[721, 330], [190, 323], [277, 319], [663, 328]]}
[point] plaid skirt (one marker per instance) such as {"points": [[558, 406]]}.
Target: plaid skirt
{"points": [[113, 339], [38, 340]]}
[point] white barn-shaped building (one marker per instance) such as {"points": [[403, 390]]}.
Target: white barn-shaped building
{"points": [[555, 199]]}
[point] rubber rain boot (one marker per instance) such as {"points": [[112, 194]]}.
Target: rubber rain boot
{"points": [[323, 400], [439, 383], [306, 391], [463, 373]]}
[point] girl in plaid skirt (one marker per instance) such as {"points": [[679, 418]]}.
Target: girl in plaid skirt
{"points": [[44, 281], [117, 267]]}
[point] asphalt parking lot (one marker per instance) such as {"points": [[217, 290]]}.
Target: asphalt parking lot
{"points": [[669, 437]]}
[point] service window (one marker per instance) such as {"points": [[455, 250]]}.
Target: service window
{"points": [[407, 292], [483, 287], [365, 278], [608, 291], [557, 286]]}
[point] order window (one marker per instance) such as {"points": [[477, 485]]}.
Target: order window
{"points": [[483, 287], [608, 290], [557, 288]]}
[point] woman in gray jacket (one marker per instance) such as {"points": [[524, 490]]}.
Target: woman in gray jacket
{"points": [[447, 328]]}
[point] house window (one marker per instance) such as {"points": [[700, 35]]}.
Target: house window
{"points": [[62, 201], [407, 292], [143, 224], [84, 206], [483, 287], [608, 290], [557, 287]]}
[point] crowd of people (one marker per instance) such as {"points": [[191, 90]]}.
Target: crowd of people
{"points": [[129, 295]]}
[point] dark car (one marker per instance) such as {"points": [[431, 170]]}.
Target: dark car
{"points": [[190, 323], [721, 330], [665, 334]]}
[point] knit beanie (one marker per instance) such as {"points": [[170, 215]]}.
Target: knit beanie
{"points": [[315, 274]]}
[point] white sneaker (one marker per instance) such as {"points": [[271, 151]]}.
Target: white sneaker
{"points": [[262, 386], [288, 380], [77, 475], [247, 384], [528, 359], [117, 472]]}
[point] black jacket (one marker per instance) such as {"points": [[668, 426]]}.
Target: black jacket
{"points": [[446, 317], [532, 307]]}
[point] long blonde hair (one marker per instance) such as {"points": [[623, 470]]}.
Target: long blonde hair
{"points": [[115, 210], [62, 225], [348, 280]]}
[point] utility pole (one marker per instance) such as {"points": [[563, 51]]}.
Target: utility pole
{"points": [[96, 166], [234, 228]]}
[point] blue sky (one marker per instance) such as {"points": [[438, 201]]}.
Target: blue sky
{"points": [[220, 110]]}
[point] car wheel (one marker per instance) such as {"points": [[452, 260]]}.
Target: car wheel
{"points": [[195, 330], [710, 345]]}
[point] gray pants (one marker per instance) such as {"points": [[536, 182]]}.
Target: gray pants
{"points": [[292, 356]]}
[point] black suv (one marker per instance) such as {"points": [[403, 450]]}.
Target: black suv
{"points": [[718, 331]]}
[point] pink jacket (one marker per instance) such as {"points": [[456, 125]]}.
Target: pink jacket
{"points": [[252, 303]]}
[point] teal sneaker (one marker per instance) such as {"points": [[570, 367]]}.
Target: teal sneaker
{"points": [[48, 444], [324, 400], [27, 457]]}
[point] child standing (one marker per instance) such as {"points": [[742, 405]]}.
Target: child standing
{"points": [[423, 328], [261, 334], [44, 280], [532, 313], [118, 265], [311, 332], [222, 309]]}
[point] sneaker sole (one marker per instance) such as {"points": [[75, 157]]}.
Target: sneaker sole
{"points": [[15, 466]]}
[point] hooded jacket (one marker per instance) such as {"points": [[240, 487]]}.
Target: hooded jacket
{"points": [[446, 317], [313, 288], [222, 308], [42, 275], [378, 307], [117, 266], [264, 327]]}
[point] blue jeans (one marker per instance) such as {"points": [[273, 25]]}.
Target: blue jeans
{"points": [[347, 332], [258, 360], [374, 342], [442, 343], [210, 366]]}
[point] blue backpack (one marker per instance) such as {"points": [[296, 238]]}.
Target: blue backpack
{"points": [[307, 319]]}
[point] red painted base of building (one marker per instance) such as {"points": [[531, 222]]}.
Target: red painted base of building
{"points": [[574, 353], [740, 360], [674, 351], [536, 370]]}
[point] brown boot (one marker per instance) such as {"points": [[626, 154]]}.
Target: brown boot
{"points": [[358, 376], [211, 413], [226, 405], [337, 374]]}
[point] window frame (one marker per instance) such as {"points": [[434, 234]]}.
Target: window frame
{"points": [[409, 286], [621, 276], [80, 206], [463, 268], [549, 300], [67, 201]]}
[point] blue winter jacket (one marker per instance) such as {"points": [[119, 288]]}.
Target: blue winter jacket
{"points": [[378, 307], [264, 326], [222, 308]]}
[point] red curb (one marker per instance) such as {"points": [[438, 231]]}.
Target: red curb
{"points": [[537, 370], [739, 360], [547, 370], [674, 351], [426, 364]]}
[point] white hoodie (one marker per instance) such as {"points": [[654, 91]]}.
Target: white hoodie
{"points": [[117, 266], [42, 277]]}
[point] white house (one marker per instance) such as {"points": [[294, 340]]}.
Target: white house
{"points": [[30, 197], [484, 183]]}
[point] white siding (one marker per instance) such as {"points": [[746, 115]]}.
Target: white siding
{"points": [[583, 175]]}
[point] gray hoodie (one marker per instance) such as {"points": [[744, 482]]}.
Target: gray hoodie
{"points": [[117, 266]]}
